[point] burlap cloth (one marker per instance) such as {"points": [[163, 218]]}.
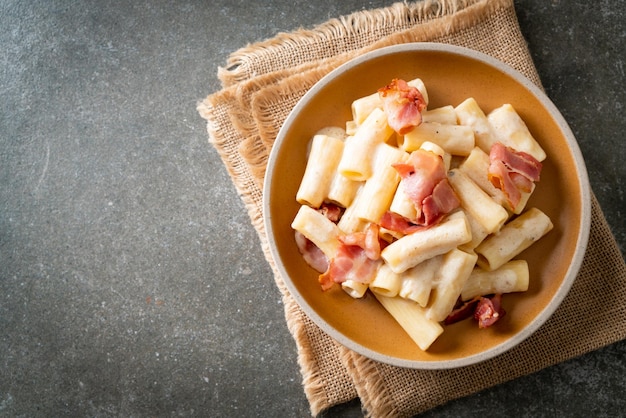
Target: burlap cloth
{"points": [[261, 84]]}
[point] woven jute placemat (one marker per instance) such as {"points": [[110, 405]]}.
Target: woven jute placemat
{"points": [[261, 84]]}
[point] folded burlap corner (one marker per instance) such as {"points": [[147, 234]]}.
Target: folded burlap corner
{"points": [[262, 83]]}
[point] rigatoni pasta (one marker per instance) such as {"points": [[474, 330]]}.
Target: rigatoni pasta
{"points": [[456, 268], [513, 238], [418, 281], [317, 228], [455, 139], [342, 190], [512, 276], [413, 249], [379, 189], [356, 160], [510, 129], [318, 177], [412, 318], [395, 218], [474, 200], [386, 282], [470, 114], [444, 115], [355, 289]]}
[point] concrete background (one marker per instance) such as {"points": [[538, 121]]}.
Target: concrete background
{"points": [[131, 282]]}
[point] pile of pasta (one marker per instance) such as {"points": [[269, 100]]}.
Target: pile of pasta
{"points": [[420, 277]]}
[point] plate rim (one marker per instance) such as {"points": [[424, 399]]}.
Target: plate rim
{"points": [[583, 234]]}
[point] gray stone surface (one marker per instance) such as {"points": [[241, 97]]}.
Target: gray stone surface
{"points": [[131, 282]]}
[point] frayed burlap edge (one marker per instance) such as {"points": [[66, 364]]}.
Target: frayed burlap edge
{"points": [[348, 33]]}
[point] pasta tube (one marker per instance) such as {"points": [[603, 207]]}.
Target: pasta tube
{"points": [[456, 268], [378, 191], [321, 166], [513, 238], [469, 113], [356, 161], [445, 115], [363, 106], [418, 281], [355, 289], [477, 203], [419, 84], [349, 221], [402, 204], [386, 282], [334, 131], [511, 277], [455, 139], [389, 235], [510, 129], [412, 318], [479, 233], [319, 229], [476, 166], [412, 249], [342, 190]]}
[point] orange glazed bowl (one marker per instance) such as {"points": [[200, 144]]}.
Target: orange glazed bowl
{"points": [[451, 75]]}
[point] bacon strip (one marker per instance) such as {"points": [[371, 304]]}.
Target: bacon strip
{"points": [[403, 105], [358, 258], [443, 200], [488, 311], [512, 171], [350, 263], [517, 161], [398, 223], [426, 184], [463, 311], [331, 211], [367, 240], [499, 177]]}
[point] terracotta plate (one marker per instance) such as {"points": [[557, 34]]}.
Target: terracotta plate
{"points": [[451, 74]]}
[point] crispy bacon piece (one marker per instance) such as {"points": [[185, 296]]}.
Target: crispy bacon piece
{"points": [[350, 263], [489, 310], [367, 240], [398, 223], [403, 105], [486, 310], [443, 200], [331, 211], [499, 177], [462, 311], [358, 258], [426, 184], [512, 171], [517, 161]]}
